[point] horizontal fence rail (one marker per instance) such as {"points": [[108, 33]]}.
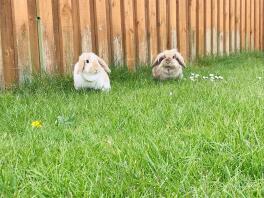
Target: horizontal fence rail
{"points": [[49, 35]]}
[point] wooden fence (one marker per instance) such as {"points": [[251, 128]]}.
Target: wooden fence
{"points": [[48, 35]]}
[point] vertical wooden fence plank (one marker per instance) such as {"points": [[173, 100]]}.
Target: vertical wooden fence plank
{"points": [[208, 28], [220, 27], [57, 29], [33, 34], [85, 25], [162, 25], [261, 25], [243, 25], [226, 26], [214, 26], [47, 38], [237, 25], [256, 26], [252, 24], [102, 29], [232, 26], [192, 29], [173, 24], [65, 14], [22, 39], [116, 33], [200, 28], [247, 24], [8, 43], [129, 33], [2, 80], [152, 29], [182, 27], [76, 29], [141, 33]]}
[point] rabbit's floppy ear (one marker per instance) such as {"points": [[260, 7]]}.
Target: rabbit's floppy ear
{"points": [[103, 64], [81, 64], [179, 58], [158, 59]]}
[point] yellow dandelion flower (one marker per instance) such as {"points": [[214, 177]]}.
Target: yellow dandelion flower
{"points": [[36, 124]]}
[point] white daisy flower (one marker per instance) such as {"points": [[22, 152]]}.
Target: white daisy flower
{"points": [[259, 78], [220, 77], [170, 93], [211, 75]]}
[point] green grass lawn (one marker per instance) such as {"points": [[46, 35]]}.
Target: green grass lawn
{"points": [[144, 138]]}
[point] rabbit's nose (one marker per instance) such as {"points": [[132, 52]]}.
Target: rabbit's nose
{"points": [[168, 60]]}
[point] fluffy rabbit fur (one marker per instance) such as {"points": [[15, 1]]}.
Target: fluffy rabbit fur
{"points": [[169, 64], [91, 72]]}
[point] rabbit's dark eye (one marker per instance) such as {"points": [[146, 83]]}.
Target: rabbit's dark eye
{"points": [[87, 61], [174, 57], [161, 58]]}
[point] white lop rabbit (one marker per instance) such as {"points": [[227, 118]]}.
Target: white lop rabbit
{"points": [[91, 72], [169, 64]]}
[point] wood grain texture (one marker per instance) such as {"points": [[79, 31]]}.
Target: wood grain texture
{"points": [[57, 35], [256, 25], [182, 27], [232, 26], [220, 27], [85, 25], [192, 29], [243, 24], [261, 25], [47, 37], [172, 24], [226, 26], [214, 13], [152, 29], [200, 28], [33, 35], [141, 33], [22, 39], [162, 25], [248, 10], [116, 32], [9, 55], [66, 26], [237, 25], [208, 27], [2, 80], [252, 24], [129, 33], [102, 29], [76, 30]]}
